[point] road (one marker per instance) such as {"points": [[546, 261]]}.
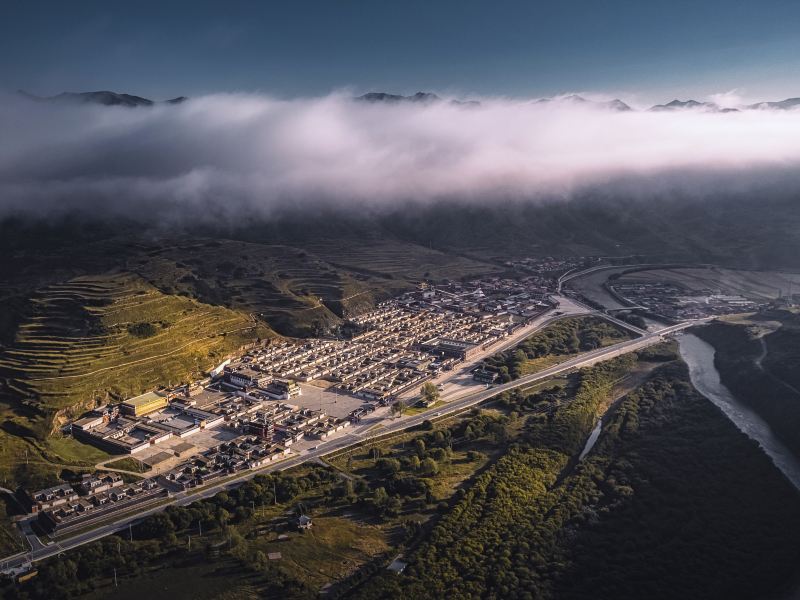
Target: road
{"points": [[357, 435]]}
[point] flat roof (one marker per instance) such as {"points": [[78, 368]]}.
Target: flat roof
{"points": [[143, 399]]}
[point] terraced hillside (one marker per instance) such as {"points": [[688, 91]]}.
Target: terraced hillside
{"points": [[118, 334]]}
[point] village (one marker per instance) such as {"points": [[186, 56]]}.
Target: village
{"points": [[673, 302], [251, 410]]}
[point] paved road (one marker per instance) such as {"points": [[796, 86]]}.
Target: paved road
{"points": [[357, 435]]}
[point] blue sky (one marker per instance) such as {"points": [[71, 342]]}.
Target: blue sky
{"points": [[652, 51]]}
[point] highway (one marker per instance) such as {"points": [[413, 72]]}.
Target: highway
{"points": [[358, 435]]}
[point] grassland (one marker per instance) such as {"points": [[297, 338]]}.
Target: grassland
{"points": [[192, 577], [332, 549], [128, 464], [10, 540]]}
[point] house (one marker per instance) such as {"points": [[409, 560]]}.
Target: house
{"points": [[483, 375], [47, 498], [91, 484], [245, 377], [144, 404]]}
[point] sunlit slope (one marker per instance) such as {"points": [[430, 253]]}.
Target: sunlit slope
{"points": [[115, 334]]}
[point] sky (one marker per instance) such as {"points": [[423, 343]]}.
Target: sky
{"points": [[643, 52]]}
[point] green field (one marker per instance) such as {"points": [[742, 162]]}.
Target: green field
{"points": [[129, 464]]}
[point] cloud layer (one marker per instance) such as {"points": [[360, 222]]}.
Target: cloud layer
{"points": [[244, 157]]}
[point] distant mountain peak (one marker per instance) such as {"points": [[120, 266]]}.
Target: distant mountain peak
{"points": [[104, 97], [787, 104], [691, 105], [384, 97], [678, 105], [616, 104]]}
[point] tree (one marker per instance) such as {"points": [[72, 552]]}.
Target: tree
{"points": [[394, 506], [397, 408], [430, 393], [439, 454], [259, 562], [429, 467], [155, 526], [380, 499], [388, 465], [419, 447]]}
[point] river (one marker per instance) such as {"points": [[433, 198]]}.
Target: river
{"points": [[699, 356]]}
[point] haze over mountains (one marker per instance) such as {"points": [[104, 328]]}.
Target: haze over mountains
{"points": [[568, 171], [109, 98]]}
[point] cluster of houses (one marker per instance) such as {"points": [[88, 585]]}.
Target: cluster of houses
{"points": [[249, 452], [498, 302], [72, 505], [359, 413]]}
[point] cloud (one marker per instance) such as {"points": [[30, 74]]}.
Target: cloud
{"points": [[237, 157], [730, 99]]}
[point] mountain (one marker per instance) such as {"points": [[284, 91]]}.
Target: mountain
{"points": [[384, 97], [787, 104], [109, 98], [104, 97], [691, 105], [615, 104], [419, 97], [683, 104]]}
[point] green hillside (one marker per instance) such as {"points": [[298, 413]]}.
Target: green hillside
{"points": [[95, 338]]}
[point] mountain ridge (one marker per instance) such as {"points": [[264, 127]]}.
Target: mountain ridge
{"points": [[111, 98], [104, 97]]}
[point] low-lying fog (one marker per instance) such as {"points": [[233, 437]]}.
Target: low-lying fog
{"points": [[217, 155]]}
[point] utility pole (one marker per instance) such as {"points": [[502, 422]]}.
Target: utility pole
{"points": [[130, 530], [190, 542], [115, 577], [200, 525]]}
